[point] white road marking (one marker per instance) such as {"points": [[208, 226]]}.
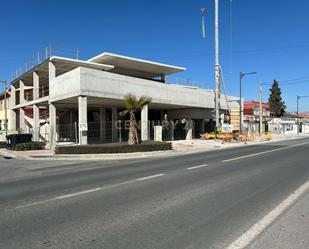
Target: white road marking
{"points": [[244, 240], [264, 152], [78, 193], [149, 177], [61, 197], [197, 167]]}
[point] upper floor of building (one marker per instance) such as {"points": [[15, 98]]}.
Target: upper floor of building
{"points": [[110, 76]]}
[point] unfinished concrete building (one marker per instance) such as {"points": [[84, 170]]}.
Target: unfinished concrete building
{"points": [[78, 101]]}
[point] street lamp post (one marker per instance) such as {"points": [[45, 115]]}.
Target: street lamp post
{"points": [[242, 75], [298, 123], [5, 107]]}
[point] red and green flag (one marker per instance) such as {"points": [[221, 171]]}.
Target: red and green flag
{"points": [[203, 11]]}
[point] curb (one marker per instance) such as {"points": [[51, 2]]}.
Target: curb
{"points": [[137, 155], [10, 154]]}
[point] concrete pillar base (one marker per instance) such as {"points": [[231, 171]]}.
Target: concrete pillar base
{"points": [[144, 124], [158, 133], [52, 126], [189, 129], [82, 120], [36, 123]]}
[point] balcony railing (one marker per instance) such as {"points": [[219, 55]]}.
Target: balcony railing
{"points": [[187, 83], [42, 55]]}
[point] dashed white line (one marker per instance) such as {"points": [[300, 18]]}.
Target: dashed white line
{"points": [[79, 193], [149, 177], [263, 152], [244, 240], [197, 167], [61, 197]]}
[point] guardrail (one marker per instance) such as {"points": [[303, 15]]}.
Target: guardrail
{"points": [[43, 55], [187, 82]]}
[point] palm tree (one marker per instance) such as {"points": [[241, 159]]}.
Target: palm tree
{"points": [[134, 105]]}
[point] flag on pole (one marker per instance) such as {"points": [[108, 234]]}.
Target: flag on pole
{"points": [[203, 10]]}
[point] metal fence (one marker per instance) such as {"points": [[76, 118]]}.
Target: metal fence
{"points": [[118, 131], [188, 83]]}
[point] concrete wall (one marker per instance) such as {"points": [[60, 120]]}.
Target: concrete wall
{"points": [[96, 83], [65, 86]]}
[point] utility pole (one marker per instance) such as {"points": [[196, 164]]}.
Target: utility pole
{"points": [[298, 123], [217, 67], [241, 111], [261, 108]]}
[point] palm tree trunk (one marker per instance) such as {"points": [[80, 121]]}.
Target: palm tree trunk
{"points": [[132, 130]]}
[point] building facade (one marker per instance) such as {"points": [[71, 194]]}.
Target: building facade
{"points": [[252, 115], [78, 101]]}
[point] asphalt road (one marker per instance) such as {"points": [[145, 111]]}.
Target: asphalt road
{"points": [[203, 200]]}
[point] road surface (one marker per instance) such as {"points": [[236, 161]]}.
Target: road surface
{"points": [[235, 198]]}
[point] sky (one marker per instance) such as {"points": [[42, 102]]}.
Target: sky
{"points": [[267, 36]]}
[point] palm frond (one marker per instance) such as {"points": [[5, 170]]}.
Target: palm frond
{"points": [[131, 102], [124, 113], [144, 100]]}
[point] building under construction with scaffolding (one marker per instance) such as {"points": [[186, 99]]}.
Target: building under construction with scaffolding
{"points": [[62, 99]]}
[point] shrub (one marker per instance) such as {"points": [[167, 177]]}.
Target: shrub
{"points": [[2, 145], [113, 148], [30, 146]]}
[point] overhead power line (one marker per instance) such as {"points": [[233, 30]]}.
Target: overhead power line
{"points": [[290, 82]]}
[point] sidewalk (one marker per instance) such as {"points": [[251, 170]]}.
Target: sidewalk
{"points": [[179, 148], [290, 231]]}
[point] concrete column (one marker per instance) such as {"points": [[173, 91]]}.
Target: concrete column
{"points": [[22, 123], [144, 124], [102, 124], [12, 123], [36, 85], [51, 71], [21, 92], [189, 129], [162, 76], [52, 125], [82, 119], [114, 124], [36, 123]]}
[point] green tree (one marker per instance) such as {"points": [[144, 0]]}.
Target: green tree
{"points": [[277, 105], [133, 105]]}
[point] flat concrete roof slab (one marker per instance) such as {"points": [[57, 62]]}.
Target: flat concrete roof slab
{"points": [[125, 64]]}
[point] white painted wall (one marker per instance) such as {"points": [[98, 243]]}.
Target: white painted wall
{"points": [[305, 129]]}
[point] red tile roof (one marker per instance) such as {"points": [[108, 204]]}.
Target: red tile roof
{"points": [[252, 104]]}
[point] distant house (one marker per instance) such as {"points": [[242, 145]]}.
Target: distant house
{"points": [[285, 125], [252, 115], [304, 116]]}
